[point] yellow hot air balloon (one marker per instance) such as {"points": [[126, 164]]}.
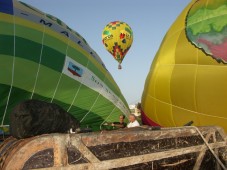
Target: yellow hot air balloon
{"points": [[117, 37], [188, 77]]}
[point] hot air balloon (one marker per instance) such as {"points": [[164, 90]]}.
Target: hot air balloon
{"points": [[117, 38], [42, 58], [187, 81]]}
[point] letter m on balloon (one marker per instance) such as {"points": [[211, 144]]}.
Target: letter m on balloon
{"points": [[75, 70]]}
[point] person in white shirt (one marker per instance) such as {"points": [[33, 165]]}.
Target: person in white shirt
{"points": [[133, 122]]}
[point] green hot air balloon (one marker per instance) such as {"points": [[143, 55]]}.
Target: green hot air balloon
{"points": [[42, 58]]}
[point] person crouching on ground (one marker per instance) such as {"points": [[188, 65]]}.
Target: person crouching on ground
{"points": [[133, 122]]}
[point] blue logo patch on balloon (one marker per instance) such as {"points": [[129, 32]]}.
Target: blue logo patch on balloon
{"points": [[75, 70]]}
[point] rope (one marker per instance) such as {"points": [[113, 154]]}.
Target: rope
{"points": [[13, 69], [216, 157], [40, 59], [211, 150]]}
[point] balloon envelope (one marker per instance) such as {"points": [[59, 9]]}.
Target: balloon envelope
{"points": [[117, 38], [188, 77], [42, 58]]}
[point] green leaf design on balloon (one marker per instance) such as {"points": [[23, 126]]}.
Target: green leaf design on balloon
{"points": [[206, 28]]}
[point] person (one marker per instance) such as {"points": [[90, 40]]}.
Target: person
{"points": [[117, 125], [133, 122], [121, 123]]}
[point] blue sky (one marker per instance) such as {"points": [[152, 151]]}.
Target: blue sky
{"points": [[149, 20]]}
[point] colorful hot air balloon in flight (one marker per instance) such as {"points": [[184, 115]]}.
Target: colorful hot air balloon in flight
{"points": [[188, 77], [42, 58], [117, 37]]}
